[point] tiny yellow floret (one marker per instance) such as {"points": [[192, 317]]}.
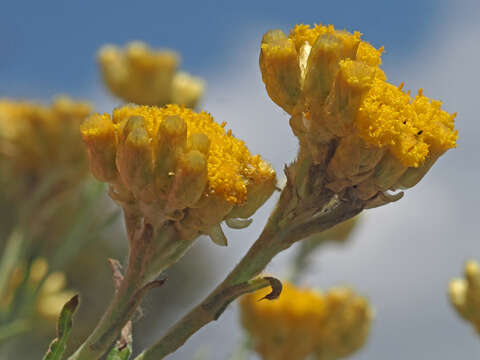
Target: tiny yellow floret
{"points": [[410, 128]]}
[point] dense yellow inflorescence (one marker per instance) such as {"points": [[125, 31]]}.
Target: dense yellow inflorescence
{"points": [[465, 294], [410, 128], [169, 159], [331, 84], [145, 76], [35, 139], [305, 323]]}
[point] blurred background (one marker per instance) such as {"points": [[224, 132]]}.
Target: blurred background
{"points": [[401, 256]]}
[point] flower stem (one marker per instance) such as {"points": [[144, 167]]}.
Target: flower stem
{"points": [[280, 232], [151, 252], [121, 309], [11, 257]]}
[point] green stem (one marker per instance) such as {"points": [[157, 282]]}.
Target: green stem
{"points": [[151, 252], [118, 313], [10, 259], [125, 301], [280, 232]]}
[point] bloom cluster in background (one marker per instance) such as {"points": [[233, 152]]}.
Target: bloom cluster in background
{"points": [[141, 75], [307, 323], [36, 140]]}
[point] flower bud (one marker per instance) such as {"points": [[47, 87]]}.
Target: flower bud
{"points": [[170, 142], [99, 136], [135, 157], [465, 294], [280, 69], [353, 79], [322, 67], [189, 181]]}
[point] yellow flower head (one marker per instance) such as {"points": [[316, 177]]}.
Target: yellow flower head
{"points": [[167, 160], [305, 322], [35, 139], [331, 83], [145, 76], [465, 294]]}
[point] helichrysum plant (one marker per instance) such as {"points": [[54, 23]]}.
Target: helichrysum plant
{"points": [[145, 76], [177, 174], [360, 137]]}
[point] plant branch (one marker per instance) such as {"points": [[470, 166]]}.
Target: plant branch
{"points": [[127, 297], [280, 232]]}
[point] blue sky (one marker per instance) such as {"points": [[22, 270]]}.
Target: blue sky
{"points": [[49, 47]]}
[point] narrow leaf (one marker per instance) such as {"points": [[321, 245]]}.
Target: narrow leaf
{"points": [[64, 326]]}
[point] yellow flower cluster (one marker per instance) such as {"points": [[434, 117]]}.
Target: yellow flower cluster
{"points": [[305, 323], [465, 294], [144, 76], [35, 139], [331, 84], [175, 164]]}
